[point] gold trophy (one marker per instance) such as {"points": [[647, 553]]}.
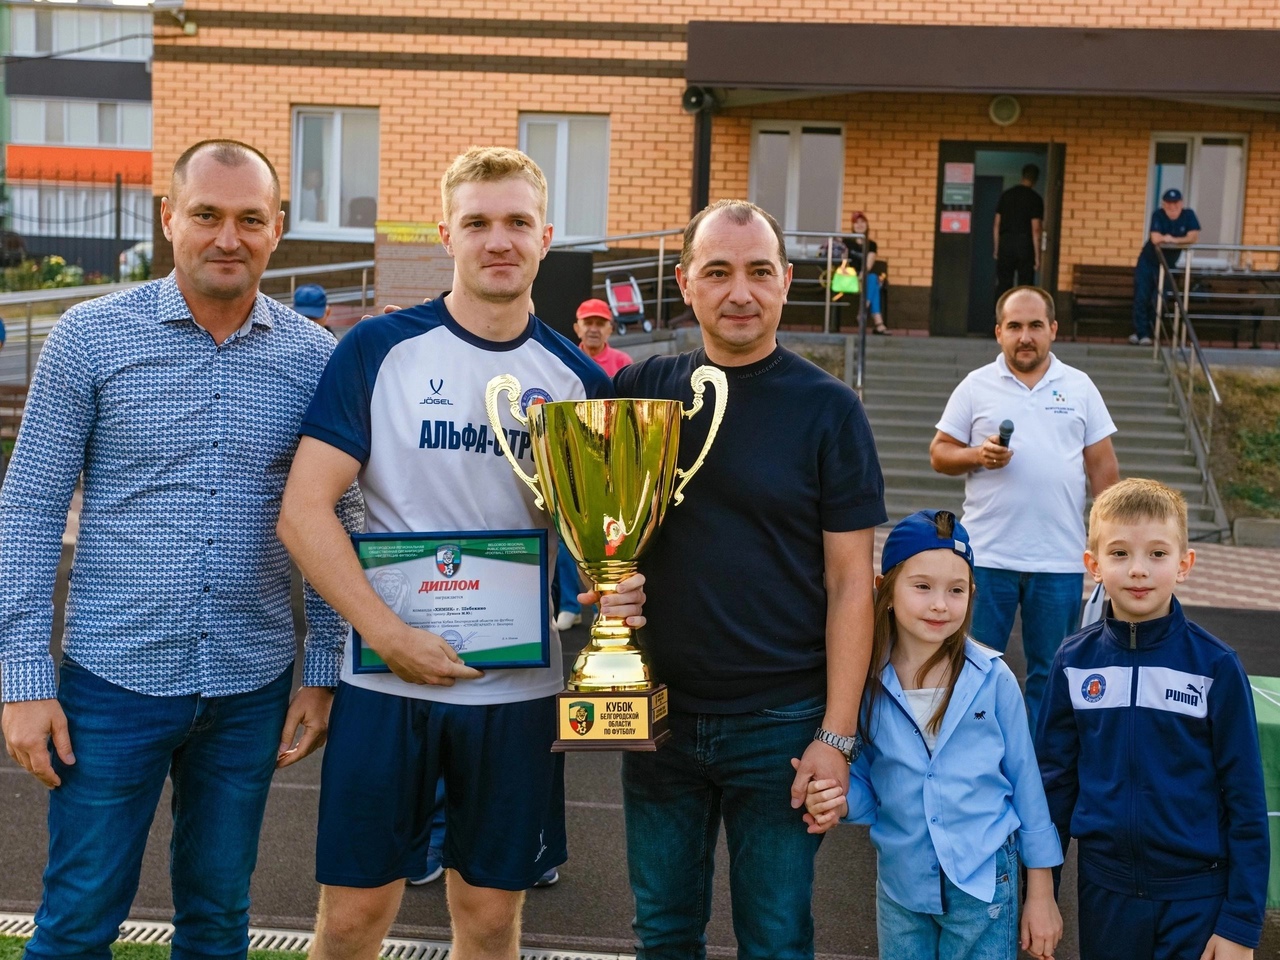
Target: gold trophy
{"points": [[606, 471]]}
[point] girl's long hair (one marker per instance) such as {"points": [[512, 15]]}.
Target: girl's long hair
{"points": [[885, 632]]}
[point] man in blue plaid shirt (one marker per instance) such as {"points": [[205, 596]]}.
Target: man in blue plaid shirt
{"points": [[180, 402]]}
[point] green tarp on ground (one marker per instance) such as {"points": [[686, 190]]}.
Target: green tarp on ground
{"points": [[1266, 701]]}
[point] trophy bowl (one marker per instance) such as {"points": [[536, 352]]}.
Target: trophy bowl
{"points": [[606, 472]]}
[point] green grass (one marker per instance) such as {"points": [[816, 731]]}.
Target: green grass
{"points": [[11, 949], [1246, 442]]}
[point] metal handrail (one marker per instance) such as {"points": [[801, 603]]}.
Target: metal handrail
{"points": [[1184, 346], [30, 298], [659, 261]]}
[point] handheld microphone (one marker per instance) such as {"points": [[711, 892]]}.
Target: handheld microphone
{"points": [[1006, 431]]}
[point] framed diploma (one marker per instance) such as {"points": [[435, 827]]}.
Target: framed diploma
{"points": [[485, 593]]}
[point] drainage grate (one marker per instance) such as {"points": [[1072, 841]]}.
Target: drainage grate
{"points": [[295, 941]]}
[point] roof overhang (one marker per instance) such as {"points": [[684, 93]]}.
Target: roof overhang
{"points": [[1236, 66]]}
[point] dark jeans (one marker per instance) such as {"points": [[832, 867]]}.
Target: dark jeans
{"points": [[1145, 278], [220, 753], [735, 767], [1015, 265]]}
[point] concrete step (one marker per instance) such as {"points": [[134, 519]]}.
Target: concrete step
{"points": [[915, 442], [923, 477], [924, 392], [924, 369], [899, 503], [916, 458], [1134, 434]]}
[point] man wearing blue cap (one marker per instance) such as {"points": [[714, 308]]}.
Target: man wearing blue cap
{"points": [[312, 301], [1172, 225]]}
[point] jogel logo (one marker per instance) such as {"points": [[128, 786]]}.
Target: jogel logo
{"points": [[448, 558], [582, 714]]}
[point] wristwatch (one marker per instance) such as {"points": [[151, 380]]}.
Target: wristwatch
{"points": [[849, 746]]}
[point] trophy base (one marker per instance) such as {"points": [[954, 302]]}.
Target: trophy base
{"points": [[611, 720]]}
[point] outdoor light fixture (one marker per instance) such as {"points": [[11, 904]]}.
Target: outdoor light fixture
{"points": [[175, 9], [1004, 110]]}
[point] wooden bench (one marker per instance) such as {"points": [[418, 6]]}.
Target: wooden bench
{"points": [[1101, 294], [1223, 304], [13, 397]]}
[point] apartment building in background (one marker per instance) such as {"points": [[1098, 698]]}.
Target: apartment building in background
{"points": [[918, 112], [77, 128]]}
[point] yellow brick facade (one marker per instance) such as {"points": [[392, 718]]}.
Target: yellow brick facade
{"points": [[891, 155]]}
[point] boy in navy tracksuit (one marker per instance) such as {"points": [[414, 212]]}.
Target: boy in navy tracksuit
{"points": [[1149, 753]]}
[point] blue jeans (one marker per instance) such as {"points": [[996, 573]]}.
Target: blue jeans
{"points": [[1050, 613], [568, 582], [873, 293], [735, 767], [220, 753], [968, 929]]}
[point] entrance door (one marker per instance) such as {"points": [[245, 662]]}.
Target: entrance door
{"points": [[971, 177]]}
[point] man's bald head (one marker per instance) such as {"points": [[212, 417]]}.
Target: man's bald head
{"points": [[228, 153]]}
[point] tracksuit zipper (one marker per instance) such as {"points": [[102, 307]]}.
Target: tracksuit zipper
{"points": [[1134, 846]]}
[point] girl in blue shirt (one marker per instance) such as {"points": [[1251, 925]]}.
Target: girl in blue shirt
{"points": [[947, 778]]}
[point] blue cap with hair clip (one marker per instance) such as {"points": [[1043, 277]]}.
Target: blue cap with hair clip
{"points": [[918, 533]]}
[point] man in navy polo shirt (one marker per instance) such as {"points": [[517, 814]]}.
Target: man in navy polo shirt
{"points": [[1172, 225], [760, 608]]}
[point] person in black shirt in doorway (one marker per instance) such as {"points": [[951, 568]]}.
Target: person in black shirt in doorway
{"points": [[1019, 222]]}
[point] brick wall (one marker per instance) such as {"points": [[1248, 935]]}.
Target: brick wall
{"points": [[891, 164], [228, 81]]}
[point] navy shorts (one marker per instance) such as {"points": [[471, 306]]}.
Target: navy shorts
{"points": [[504, 810], [1114, 926]]}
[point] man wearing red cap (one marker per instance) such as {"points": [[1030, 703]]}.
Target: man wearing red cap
{"points": [[593, 326]]}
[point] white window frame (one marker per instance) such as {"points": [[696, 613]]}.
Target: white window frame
{"points": [[560, 188], [132, 22], [63, 103], [1191, 195], [802, 245], [310, 230]]}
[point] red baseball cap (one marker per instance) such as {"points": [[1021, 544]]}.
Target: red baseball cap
{"points": [[595, 308]]}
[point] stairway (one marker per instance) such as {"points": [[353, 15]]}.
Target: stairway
{"points": [[908, 381]]}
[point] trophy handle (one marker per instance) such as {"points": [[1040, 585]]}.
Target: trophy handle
{"points": [[701, 377], [509, 385]]}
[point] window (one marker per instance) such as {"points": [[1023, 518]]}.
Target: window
{"points": [[81, 123], [78, 210], [1209, 170], [797, 174], [573, 152], [83, 34], [335, 173]]}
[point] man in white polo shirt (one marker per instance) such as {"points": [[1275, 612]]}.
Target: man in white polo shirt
{"points": [[1024, 502]]}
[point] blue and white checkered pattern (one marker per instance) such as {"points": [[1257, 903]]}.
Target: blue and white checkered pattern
{"points": [[179, 584]]}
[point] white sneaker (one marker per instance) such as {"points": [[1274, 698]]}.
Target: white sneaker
{"points": [[1145, 341], [1133, 338], [433, 874], [566, 619]]}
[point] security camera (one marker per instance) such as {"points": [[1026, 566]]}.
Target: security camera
{"points": [[697, 99]]}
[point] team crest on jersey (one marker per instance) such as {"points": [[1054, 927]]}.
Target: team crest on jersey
{"points": [[448, 559], [1094, 686], [582, 714], [531, 396]]}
